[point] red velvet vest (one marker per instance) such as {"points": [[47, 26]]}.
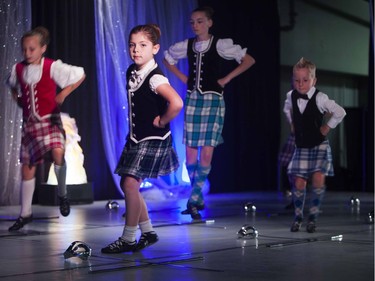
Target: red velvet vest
{"points": [[38, 99]]}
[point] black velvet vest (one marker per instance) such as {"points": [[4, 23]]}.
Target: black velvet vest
{"points": [[205, 68], [144, 106], [307, 125]]}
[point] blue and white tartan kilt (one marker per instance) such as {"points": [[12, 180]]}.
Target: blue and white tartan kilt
{"points": [[204, 119], [287, 151], [306, 161], [147, 159]]}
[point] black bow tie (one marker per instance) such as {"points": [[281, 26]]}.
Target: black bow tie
{"points": [[302, 96]]}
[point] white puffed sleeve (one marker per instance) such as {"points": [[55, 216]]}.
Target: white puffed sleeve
{"points": [[230, 51], [12, 80], [156, 80], [65, 74], [176, 51]]}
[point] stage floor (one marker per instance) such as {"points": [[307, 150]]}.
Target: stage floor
{"points": [[207, 250]]}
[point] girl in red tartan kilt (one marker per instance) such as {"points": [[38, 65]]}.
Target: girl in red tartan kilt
{"points": [[33, 83]]}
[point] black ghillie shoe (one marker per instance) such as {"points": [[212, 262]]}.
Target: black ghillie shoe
{"points": [[64, 206], [119, 246], [195, 215], [146, 240], [296, 225], [311, 227], [20, 222], [189, 208]]}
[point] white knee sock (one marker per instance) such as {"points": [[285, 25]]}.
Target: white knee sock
{"points": [[27, 192]]}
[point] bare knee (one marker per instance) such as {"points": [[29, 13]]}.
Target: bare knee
{"points": [[318, 180], [206, 155], [58, 155], [300, 183], [130, 185], [28, 172]]}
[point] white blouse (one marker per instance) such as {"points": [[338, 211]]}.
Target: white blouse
{"points": [[155, 81], [63, 74], [225, 48]]}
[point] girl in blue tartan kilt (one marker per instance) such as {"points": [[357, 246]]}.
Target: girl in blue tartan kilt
{"points": [[204, 103], [148, 152], [305, 108]]}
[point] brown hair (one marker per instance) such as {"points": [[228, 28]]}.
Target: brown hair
{"points": [[208, 11], [151, 30], [40, 31]]}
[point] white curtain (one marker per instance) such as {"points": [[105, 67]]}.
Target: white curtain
{"points": [[15, 19], [114, 20]]}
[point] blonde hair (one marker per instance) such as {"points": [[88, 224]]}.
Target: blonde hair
{"points": [[304, 63]]}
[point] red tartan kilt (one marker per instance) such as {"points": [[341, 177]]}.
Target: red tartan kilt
{"points": [[40, 137]]}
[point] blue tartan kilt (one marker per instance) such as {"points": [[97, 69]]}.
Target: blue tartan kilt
{"points": [[306, 161], [287, 151], [204, 119], [147, 159]]}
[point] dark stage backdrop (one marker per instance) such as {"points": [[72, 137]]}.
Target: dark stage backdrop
{"points": [[72, 29], [247, 160]]}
